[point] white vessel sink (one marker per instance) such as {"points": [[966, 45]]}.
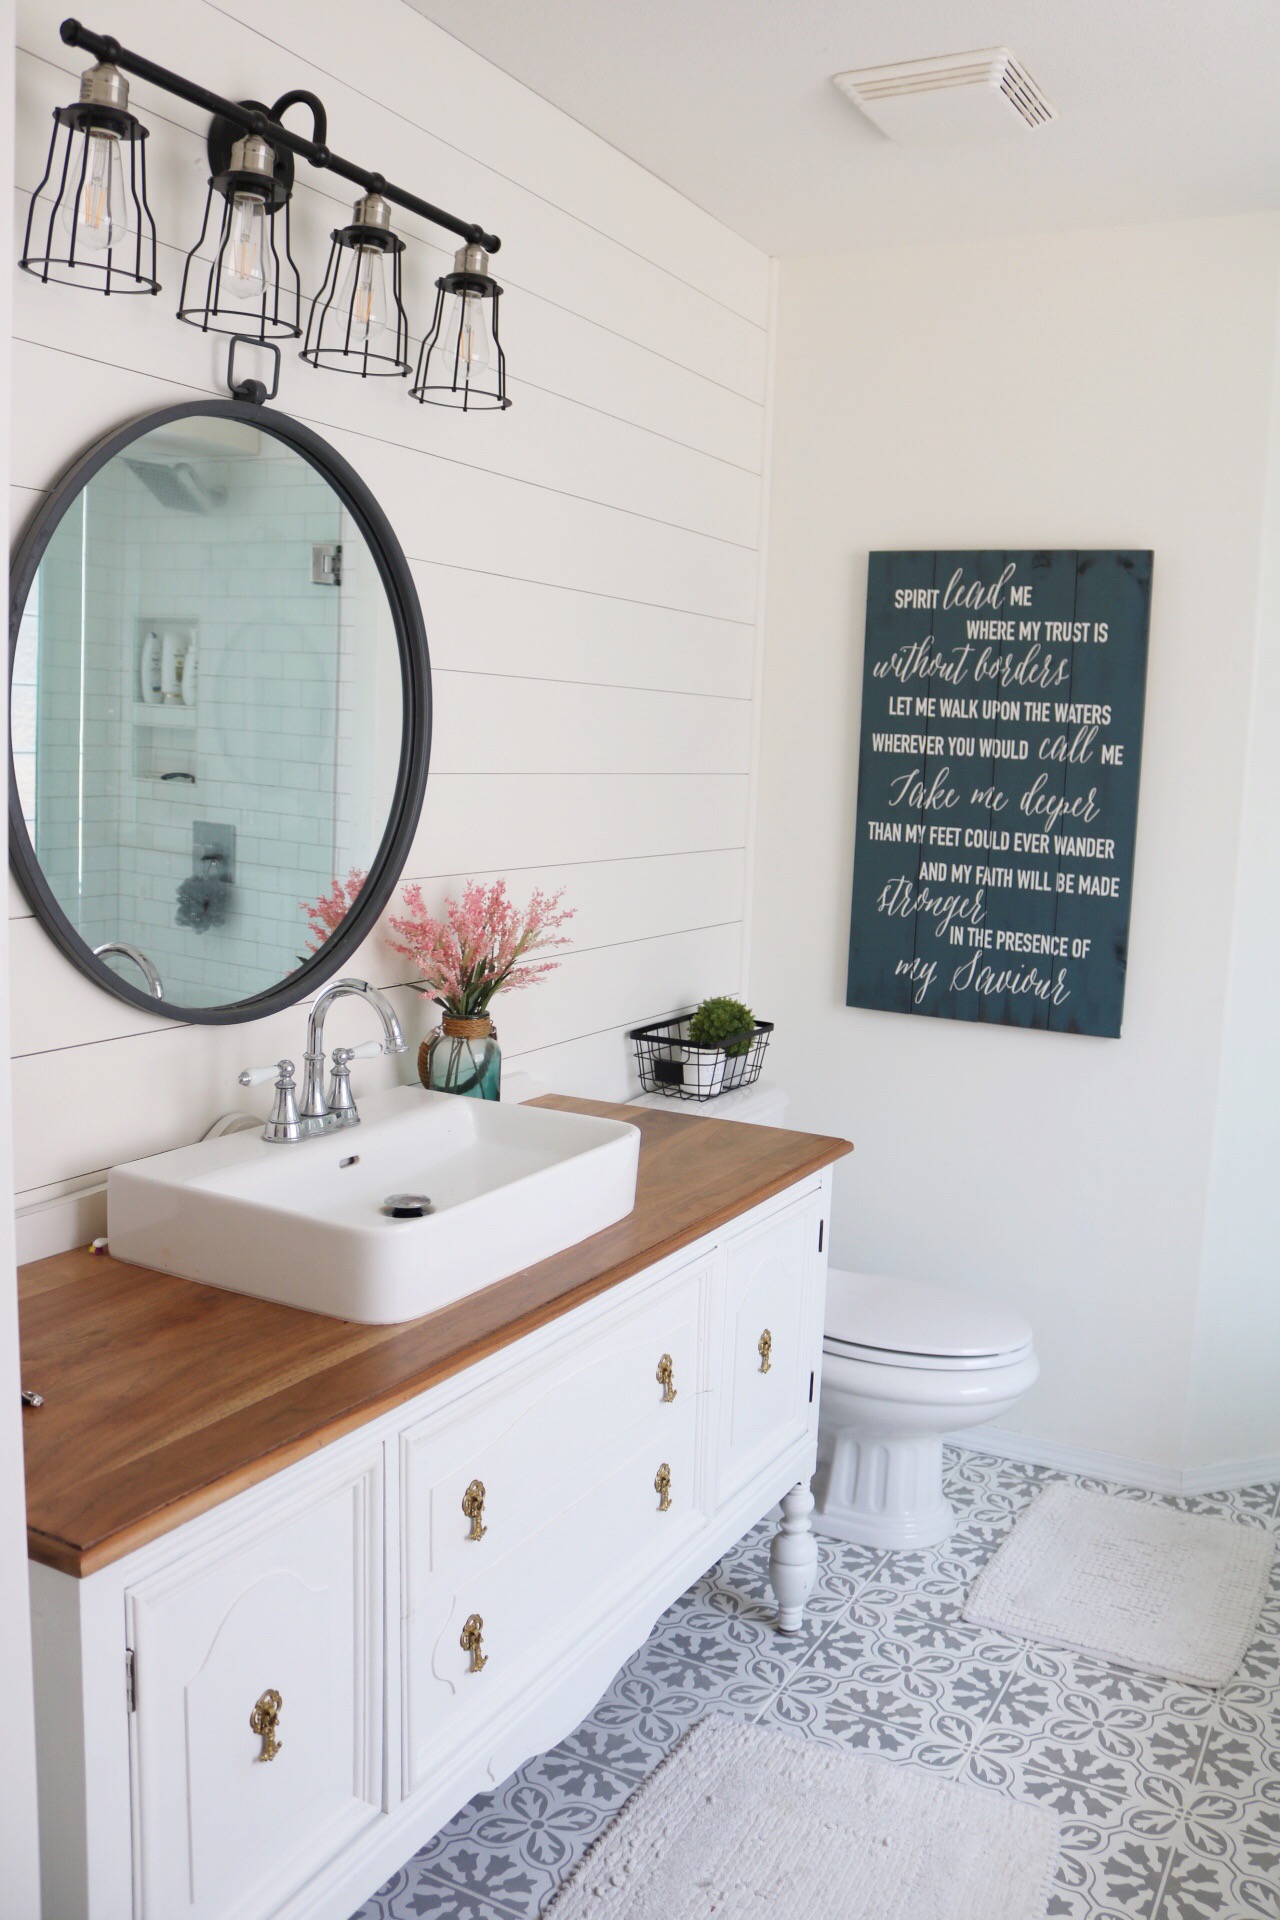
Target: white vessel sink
{"points": [[305, 1223]]}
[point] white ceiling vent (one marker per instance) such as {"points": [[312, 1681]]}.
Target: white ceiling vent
{"points": [[957, 97]]}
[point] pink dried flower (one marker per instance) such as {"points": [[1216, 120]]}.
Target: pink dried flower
{"points": [[325, 915], [481, 947]]}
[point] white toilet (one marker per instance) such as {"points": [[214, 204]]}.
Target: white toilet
{"points": [[902, 1364]]}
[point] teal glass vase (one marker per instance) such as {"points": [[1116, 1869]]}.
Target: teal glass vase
{"points": [[462, 1056]]}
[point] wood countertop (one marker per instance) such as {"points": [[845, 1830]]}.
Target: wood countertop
{"points": [[164, 1397]]}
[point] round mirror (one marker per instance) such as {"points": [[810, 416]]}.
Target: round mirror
{"points": [[220, 712]]}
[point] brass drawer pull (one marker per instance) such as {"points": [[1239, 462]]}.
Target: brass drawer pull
{"points": [[473, 1508], [764, 1347], [667, 1379], [264, 1720], [662, 1487], [472, 1642]]}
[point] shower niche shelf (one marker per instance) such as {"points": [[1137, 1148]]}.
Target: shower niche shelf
{"points": [[168, 660], [165, 714], [164, 752]]}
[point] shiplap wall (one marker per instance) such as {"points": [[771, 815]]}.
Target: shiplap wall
{"points": [[587, 563]]}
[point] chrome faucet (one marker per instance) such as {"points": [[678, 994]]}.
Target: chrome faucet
{"points": [[321, 1111]]}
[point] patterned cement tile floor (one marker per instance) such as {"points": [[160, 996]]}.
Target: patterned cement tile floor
{"points": [[1169, 1796]]}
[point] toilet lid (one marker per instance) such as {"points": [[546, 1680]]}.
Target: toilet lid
{"points": [[871, 1313]]}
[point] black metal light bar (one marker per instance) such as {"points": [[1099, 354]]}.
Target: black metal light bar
{"points": [[103, 47]]}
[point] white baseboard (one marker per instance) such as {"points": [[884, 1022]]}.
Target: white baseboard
{"points": [[58, 1224], [1231, 1473], [1115, 1466]]}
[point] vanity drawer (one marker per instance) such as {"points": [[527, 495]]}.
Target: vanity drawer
{"points": [[772, 1341], [524, 1444], [588, 1544], [287, 1612], [566, 1451]]}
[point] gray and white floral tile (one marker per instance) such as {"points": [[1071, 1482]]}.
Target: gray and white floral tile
{"points": [[1169, 1796]]}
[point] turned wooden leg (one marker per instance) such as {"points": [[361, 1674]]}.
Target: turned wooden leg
{"points": [[793, 1558]]}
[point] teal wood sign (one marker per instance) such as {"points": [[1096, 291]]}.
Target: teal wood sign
{"points": [[1002, 703]]}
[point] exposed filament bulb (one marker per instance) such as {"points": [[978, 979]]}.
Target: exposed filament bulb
{"points": [[97, 215], [467, 346], [365, 295], [244, 273]]}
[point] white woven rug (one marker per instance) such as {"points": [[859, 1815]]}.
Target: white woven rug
{"points": [[1172, 1593], [747, 1824]]}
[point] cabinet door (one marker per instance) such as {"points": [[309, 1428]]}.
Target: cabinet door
{"points": [[772, 1340], [257, 1737], [567, 1449]]}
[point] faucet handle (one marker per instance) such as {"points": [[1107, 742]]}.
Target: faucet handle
{"points": [[256, 1076], [341, 1101], [284, 1123]]}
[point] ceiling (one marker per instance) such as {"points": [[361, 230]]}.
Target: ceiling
{"points": [[1168, 108]]}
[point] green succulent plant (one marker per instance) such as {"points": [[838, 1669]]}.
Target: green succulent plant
{"points": [[722, 1022]]}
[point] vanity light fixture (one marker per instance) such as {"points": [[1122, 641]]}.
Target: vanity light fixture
{"points": [[462, 363], [357, 322], [249, 285], [99, 233]]}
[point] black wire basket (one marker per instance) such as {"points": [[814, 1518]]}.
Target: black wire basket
{"points": [[670, 1063]]}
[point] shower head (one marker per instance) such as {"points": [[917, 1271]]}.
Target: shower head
{"points": [[178, 486]]}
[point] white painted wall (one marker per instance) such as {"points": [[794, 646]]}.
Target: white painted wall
{"points": [[1235, 1401], [587, 563], [1107, 388], [19, 1858]]}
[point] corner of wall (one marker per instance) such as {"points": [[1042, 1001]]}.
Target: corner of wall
{"points": [[1233, 1411], [762, 610]]}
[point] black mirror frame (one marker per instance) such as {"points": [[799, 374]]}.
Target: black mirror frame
{"points": [[415, 742]]}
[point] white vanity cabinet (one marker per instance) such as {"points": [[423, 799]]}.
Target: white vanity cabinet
{"points": [[262, 1713]]}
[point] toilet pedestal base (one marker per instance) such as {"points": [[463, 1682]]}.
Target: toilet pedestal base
{"points": [[883, 1491]]}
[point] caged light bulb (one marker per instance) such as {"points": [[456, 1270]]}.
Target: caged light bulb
{"points": [[364, 296], [97, 216], [244, 274], [467, 344]]}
